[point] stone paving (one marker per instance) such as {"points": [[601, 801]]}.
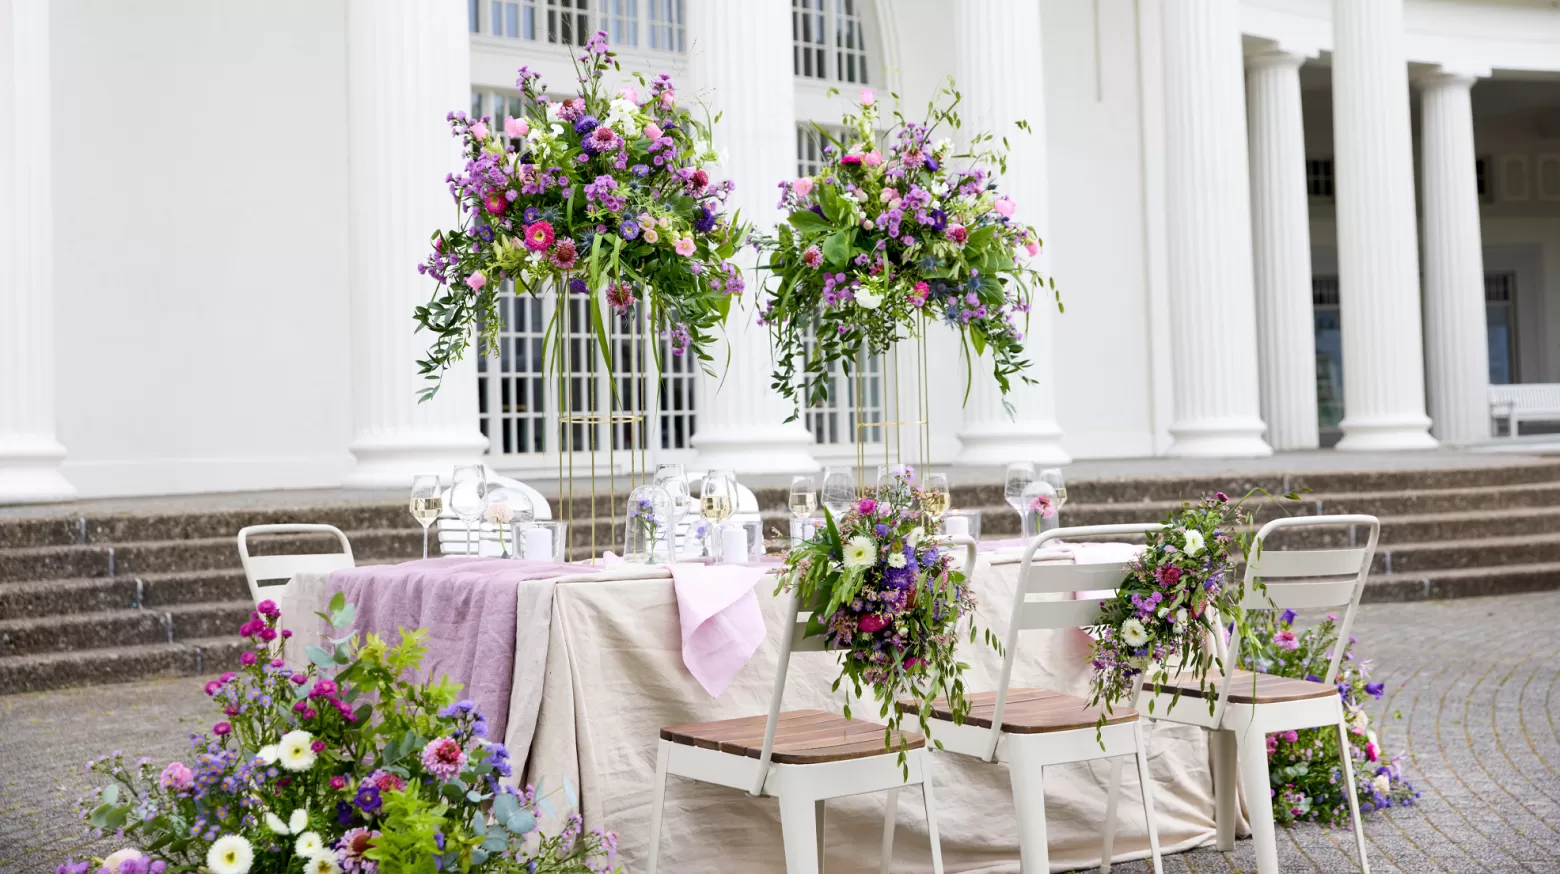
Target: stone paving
{"points": [[1476, 681]]}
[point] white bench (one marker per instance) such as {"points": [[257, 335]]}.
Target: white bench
{"points": [[1530, 401]]}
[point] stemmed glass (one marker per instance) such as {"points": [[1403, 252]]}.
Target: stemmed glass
{"points": [[937, 496], [803, 501], [1019, 475], [468, 494], [427, 504], [839, 490], [1053, 475], [672, 478], [717, 500]]}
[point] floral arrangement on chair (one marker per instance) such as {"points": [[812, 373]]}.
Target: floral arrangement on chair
{"points": [[896, 230], [609, 196], [882, 591], [1304, 764], [1163, 617], [343, 766]]}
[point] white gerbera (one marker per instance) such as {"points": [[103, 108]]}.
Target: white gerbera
{"points": [[896, 559], [860, 551], [230, 854], [309, 844], [1194, 541], [294, 751], [324, 863], [1133, 632]]}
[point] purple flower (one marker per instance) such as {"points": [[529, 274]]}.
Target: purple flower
{"points": [[1286, 618], [705, 221], [1375, 690], [586, 125], [866, 507], [629, 229], [368, 799], [578, 286]]}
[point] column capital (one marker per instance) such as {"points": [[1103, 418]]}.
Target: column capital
{"points": [[1451, 76], [1276, 55]]}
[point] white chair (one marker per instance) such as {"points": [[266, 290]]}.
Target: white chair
{"points": [[801, 757], [1029, 729], [284, 567], [1250, 706], [455, 539]]}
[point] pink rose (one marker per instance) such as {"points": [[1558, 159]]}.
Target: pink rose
{"points": [[872, 158], [476, 281], [867, 97], [516, 127], [1005, 206], [668, 98], [653, 131], [479, 130], [684, 247], [176, 776], [872, 623], [802, 187]]}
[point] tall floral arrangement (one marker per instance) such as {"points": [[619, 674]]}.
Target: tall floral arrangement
{"points": [[343, 765], [900, 228], [1303, 765], [607, 195], [881, 590]]}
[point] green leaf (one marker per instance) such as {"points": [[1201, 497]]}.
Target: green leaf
{"points": [[809, 222], [522, 823], [320, 656], [337, 601], [110, 793], [836, 248], [343, 617]]}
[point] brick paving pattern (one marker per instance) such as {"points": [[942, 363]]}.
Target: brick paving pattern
{"points": [[1476, 681]]}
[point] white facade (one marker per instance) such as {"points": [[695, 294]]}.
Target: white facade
{"points": [[209, 242]]}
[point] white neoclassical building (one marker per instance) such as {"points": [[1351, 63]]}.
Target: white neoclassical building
{"points": [[1276, 225]]}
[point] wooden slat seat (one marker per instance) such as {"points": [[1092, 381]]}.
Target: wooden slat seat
{"points": [[1269, 689], [802, 737], [1030, 711]]}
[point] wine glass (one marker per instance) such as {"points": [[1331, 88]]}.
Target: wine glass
{"points": [[803, 501], [468, 494], [936, 496], [1019, 475], [1053, 475], [672, 478], [839, 490], [717, 500], [427, 504]]}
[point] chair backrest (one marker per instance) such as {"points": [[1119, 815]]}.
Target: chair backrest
{"points": [[1299, 579], [482, 539], [1053, 579], [793, 639], [285, 567]]}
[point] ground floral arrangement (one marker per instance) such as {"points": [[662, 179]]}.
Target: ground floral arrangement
{"points": [[880, 590], [607, 196], [1304, 771], [898, 229], [1166, 610], [343, 766]]}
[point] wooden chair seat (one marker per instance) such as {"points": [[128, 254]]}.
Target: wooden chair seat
{"points": [[1269, 689], [1029, 711], [802, 737]]}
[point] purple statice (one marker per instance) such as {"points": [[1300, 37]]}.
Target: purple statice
{"points": [[704, 222], [679, 339]]}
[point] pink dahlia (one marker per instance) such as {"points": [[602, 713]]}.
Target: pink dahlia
{"points": [[443, 757], [538, 236]]}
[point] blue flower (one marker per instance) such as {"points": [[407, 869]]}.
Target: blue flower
{"points": [[368, 799], [586, 125], [705, 222], [639, 170], [578, 286], [1374, 690], [629, 229], [1286, 618]]}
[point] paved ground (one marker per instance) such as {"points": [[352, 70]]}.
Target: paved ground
{"points": [[1477, 683]]}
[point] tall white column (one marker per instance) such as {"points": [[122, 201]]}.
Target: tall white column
{"points": [[997, 44], [1457, 353], [1208, 217], [408, 66], [739, 59], [30, 455], [1378, 263], [1281, 249]]}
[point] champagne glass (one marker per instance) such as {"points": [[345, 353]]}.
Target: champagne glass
{"points": [[936, 496], [717, 500], [1053, 475], [672, 478], [1019, 475], [427, 504], [468, 494], [803, 501], [839, 490]]}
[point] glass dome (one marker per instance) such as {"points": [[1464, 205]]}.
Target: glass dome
{"points": [[506, 516], [649, 525]]}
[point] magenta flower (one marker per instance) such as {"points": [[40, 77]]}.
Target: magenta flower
{"points": [[564, 255], [176, 776], [866, 507], [248, 659], [873, 623], [620, 296], [443, 757], [495, 202], [538, 236], [221, 728], [813, 257], [958, 233], [1042, 504], [338, 782], [1286, 640]]}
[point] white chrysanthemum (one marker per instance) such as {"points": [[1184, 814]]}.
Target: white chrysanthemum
{"points": [[868, 299], [324, 863], [230, 854], [896, 559], [268, 754], [1194, 541], [308, 845], [1133, 633], [275, 824], [860, 551], [1382, 784], [299, 820], [294, 751]]}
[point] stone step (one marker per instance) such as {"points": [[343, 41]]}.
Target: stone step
{"points": [[1462, 582], [100, 528], [131, 627], [1490, 552], [118, 664], [1420, 501]]}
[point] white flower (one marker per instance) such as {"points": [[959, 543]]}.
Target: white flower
{"points": [[324, 863], [1359, 720], [1180, 616], [942, 146], [500, 514], [1194, 541], [309, 844], [1381, 784], [268, 755], [275, 824], [230, 854], [1133, 633], [553, 108], [915, 537], [868, 299], [860, 551], [299, 820], [1370, 736], [295, 753], [896, 559]]}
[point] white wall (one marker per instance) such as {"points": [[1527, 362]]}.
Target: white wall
{"points": [[200, 237]]}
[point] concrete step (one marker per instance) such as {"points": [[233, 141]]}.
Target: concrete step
{"points": [[117, 664], [1490, 552], [55, 597], [1463, 582], [1421, 501], [101, 528], [109, 628]]}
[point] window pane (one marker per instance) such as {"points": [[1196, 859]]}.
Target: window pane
{"points": [[807, 36]]}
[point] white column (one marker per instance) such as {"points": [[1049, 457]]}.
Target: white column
{"points": [[739, 60], [1281, 249], [1378, 263], [997, 44], [407, 67], [1457, 347], [1208, 215], [30, 455]]}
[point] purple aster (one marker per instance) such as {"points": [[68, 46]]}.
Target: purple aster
{"points": [[629, 229], [586, 125]]}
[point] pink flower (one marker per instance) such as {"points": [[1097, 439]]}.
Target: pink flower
{"points": [[872, 158], [516, 127], [385, 781], [318, 746], [564, 255], [479, 130], [176, 776], [813, 257], [866, 507], [628, 93], [620, 296], [221, 729], [119, 857], [442, 758], [919, 294], [653, 131], [802, 187], [1286, 640], [1168, 575], [495, 202], [248, 659], [651, 236], [338, 782], [1372, 752], [867, 97], [668, 98], [1032, 248], [684, 247], [872, 623], [268, 608], [1005, 206], [850, 158], [912, 664], [476, 281], [538, 236], [958, 233], [1042, 504]]}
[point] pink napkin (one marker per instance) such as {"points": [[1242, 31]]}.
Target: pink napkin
{"points": [[722, 625]]}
